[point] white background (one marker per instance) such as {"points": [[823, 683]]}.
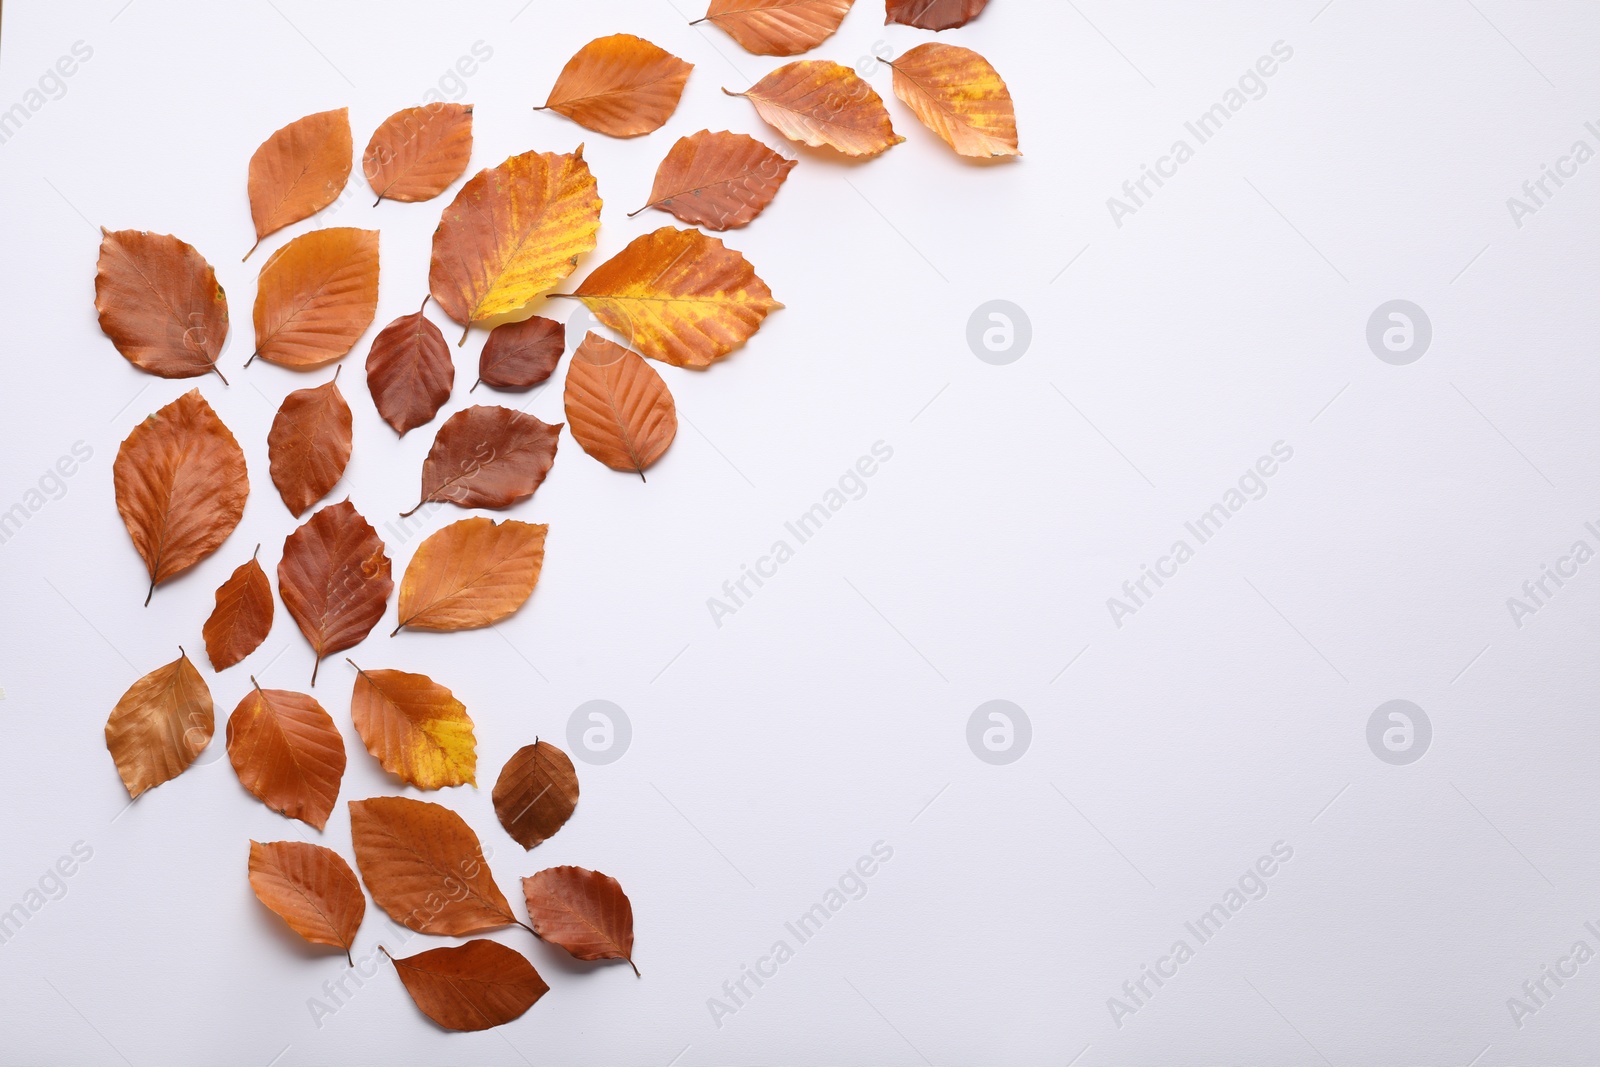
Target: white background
{"points": [[830, 711]]}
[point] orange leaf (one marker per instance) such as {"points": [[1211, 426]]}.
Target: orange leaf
{"points": [[181, 485], [585, 912], [160, 725], [820, 103], [242, 618], [299, 170], [618, 408], [309, 444], [959, 96], [287, 752], [160, 304], [520, 355], [620, 85], [418, 152], [415, 727], [778, 27], [536, 793], [334, 579], [316, 296], [424, 867], [472, 573], [311, 888], [718, 180], [934, 14], [472, 986], [488, 457], [409, 372]]}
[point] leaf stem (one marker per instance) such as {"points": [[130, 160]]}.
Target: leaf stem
{"points": [[464, 335], [151, 593], [218, 372], [635, 966], [252, 251], [475, 385], [315, 667], [413, 511]]}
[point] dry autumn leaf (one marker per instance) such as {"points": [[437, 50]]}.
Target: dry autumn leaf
{"points": [[959, 96], [777, 27], [419, 151], [585, 912], [409, 371], [680, 296], [181, 486], [520, 355], [618, 408], [160, 725], [472, 573], [159, 302], [316, 296], [334, 579], [718, 180], [934, 14], [620, 85], [242, 618], [488, 457], [823, 104], [309, 444], [424, 867], [415, 727], [299, 170], [536, 793], [287, 752], [311, 888], [512, 233], [472, 986]]}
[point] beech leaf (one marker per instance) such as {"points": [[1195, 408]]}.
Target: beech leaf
{"points": [[299, 170], [620, 85], [472, 986], [160, 725], [159, 302], [242, 618], [308, 446], [334, 579], [488, 457], [316, 296], [959, 96], [618, 408], [415, 728], [585, 912], [311, 888], [823, 104], [409, 371], [520, 355], [718, 180], [777, 27], [419, 151], [536, 793], [287, 752], [934, 14], [472, 573]]}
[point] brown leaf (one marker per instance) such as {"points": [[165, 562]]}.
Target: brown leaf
{"points": [[181, 485], [316, 296], [287, 752], [585, 912], [959, 96], [778, 27], [415, 727], [472, 573], [242, 618], [311, 888], [160, 304], [299, 170], [160, 725], [334, 579], [472, 986], [409, 371], [309, 444], [821, 103], [520, 355], [679, 296], [536, 793], [718, 180], [620, 85], [618, 408], [488, 457], [418, 152], [935, 14], [424, 867]]}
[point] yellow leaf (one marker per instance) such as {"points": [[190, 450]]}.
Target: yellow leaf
{"points": [[415, 727], [959, 96]]}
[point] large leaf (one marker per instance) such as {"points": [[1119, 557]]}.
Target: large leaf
{"points": [[316, 296], [718, 180], [160, 725], [620, 85], [299, 170], [242, 617], [585, 912], [823, 104], [311, 888], [181, 486], [287, 752], [419, 151], [536, 793], [488, 457], [334, 579], [935, 14], [778, 27], [472, 573], [618, 408], [959, 96], [415, 727], [409, 371], [160, 303], [520, 355], [472, 986], [308, 446]]}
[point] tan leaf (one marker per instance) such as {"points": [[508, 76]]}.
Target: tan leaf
{"points": [[472, 573], [181, 486], [308, 446], [935, 14], [242, 618], [424, 867], [959, 96], [160, 725], [520, 355], [536, 793], [287, 752], [334, 579], [777, 27], [822, 104], [620, 85], [472, 986], [618, 408], [409, 371], [299, 170], [679, 296], [160, 304], [415, 727], [316, 296], [718, 180], [418, 152], [488, 457], [311, 888], [585, 912]]}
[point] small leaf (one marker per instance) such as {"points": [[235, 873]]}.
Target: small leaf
{"points": [[778, 27], [470, 574], [488, 457], [618, 408], [419, 151], [299, 170], [823, 104], [585, 912], [959, 96], [334, 579], [718, 180], [409, 372], [424, 867], [536, 793], [520, 355], [160, 725], [308, 446], [287, 752], [159, 302], [415, 727], [242, 618], [620, 85], [472, 986], [316, 296], [934, 14], [311, 888]]}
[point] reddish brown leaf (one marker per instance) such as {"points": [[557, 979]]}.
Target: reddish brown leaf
{"points": [[488, 457], [299, 170], [935, 14], [160, 725], [472, 573], [242, 618], [585, 912], [311, 888], [418, 152], [309, 444], [334, 579], [472, 986], [409, 371], [620, 85], [718, 180], [821, 103], [618, 408], [520, 355], [160, 303], [778, 27], [415, 727], [316, 296], [536, 793], [287, 752]]}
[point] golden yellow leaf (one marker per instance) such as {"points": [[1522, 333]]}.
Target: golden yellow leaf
{"points": [[823, 104], [471, 573], [959, 96], [415, 727]]}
